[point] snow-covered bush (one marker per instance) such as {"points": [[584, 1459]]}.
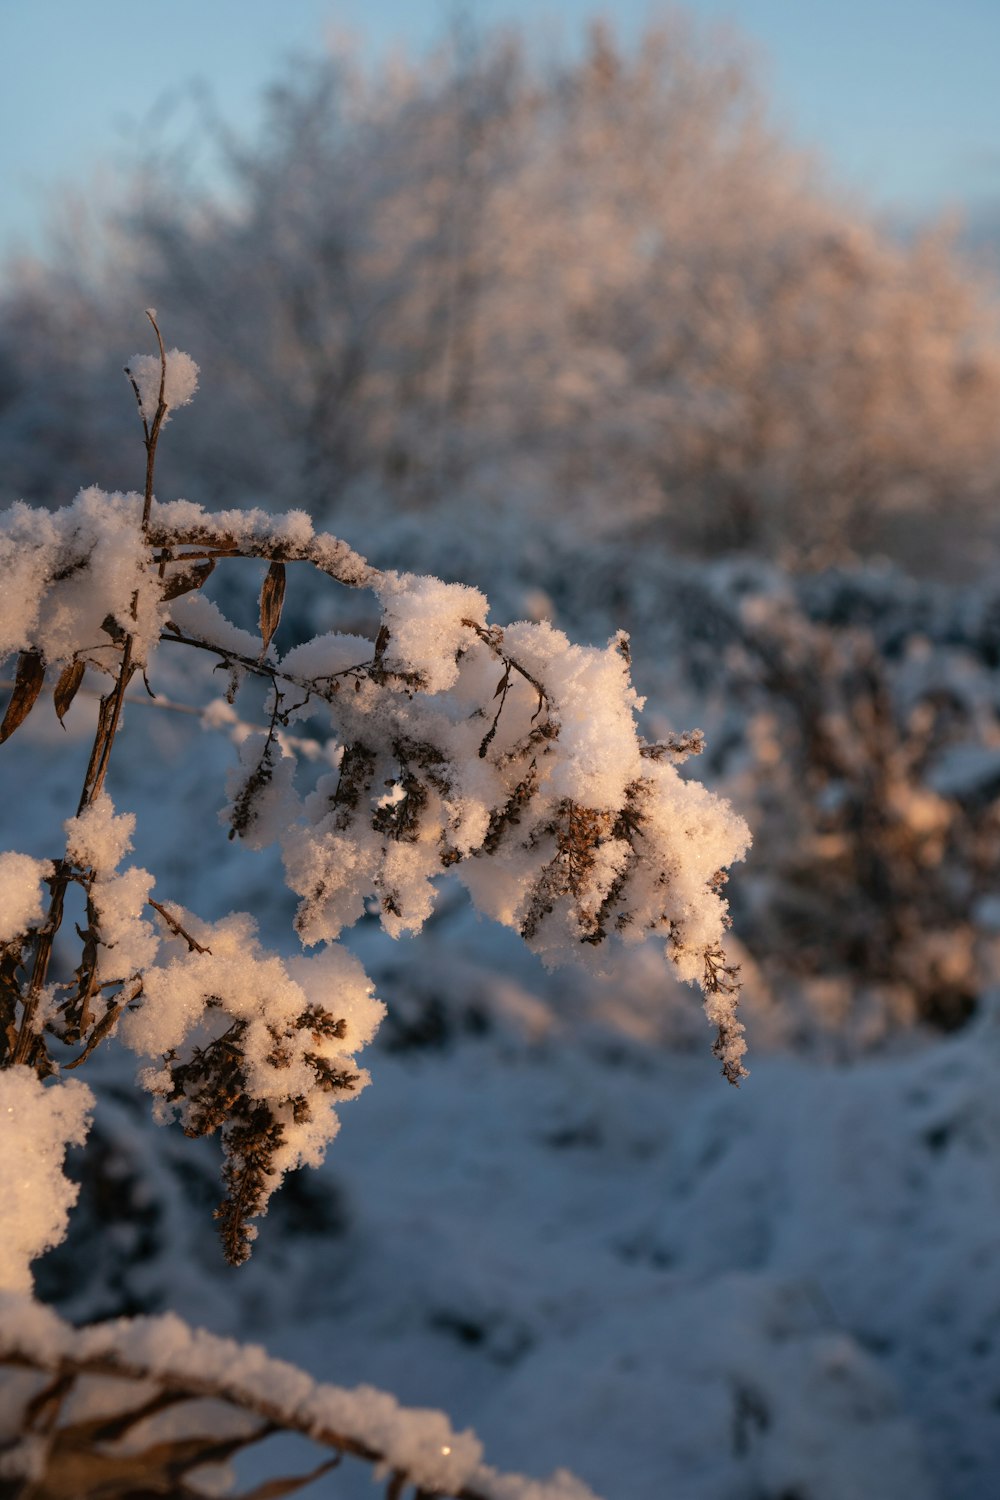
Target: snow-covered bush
{"points": [[854, 715], [506, 756], [873, 777]]}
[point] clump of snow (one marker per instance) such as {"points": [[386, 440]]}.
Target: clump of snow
{"points": [[286, 1056], [327, 657], [128, 943], [21, 879], [29, 1327], [67, 573], [596, 706], [37, 1123], [99, 838], [200, 618], [424, 618], [520, 767], [180, 381]]}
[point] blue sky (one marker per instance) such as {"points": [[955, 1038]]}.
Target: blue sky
{"points": [[901, 96]]}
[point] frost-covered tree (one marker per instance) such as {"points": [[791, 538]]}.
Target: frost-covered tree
{"points": [[602, 288], [505, 755]]}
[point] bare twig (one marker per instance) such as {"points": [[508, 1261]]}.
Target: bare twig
{"points": [[175, 927], [265, 669], [493, 638], [153, 434]]}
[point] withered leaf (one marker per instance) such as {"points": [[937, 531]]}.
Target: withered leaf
{"points": [[70, 679], [76, 1464], [188, 579], [275, 1489], [27, 686], [111, 627], [272, 596], [103, 1028]]}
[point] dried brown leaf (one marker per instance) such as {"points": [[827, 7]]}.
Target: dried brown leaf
{"points": [[27, 686], [103, 1028], [67, 687], [111, 627], [190, 578], [274, 1489], [272, 596], [77, 1467]]}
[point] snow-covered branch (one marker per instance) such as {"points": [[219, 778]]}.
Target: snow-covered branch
{"points": [[128, 1396]]}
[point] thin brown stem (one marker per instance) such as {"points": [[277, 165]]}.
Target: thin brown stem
{"points": [[263, 669], [108, 721], [153, 435], [117, 696], [495, 642], [175, 927]]}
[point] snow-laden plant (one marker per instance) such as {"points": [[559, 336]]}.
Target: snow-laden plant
{"points": [[505, 755]]}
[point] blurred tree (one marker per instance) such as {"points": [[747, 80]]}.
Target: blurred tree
{"points": [[603, 287]]}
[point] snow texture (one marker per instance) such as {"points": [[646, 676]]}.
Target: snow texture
{"points": [[99, 838], [426, 623], [21, 879], [37, 1123], [69, 573]]}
